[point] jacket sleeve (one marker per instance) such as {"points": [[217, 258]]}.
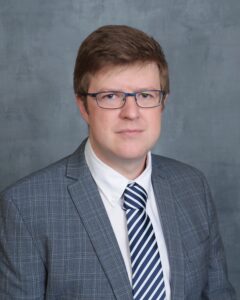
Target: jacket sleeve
{"points": [[218, 286], [22, 272]]}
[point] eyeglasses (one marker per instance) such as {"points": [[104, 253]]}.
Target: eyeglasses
{"points": [[115, 99]]}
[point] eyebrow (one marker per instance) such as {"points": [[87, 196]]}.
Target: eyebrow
{"points": [[135, 90]]}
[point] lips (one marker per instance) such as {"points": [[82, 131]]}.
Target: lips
{"points": [[130, 132]]}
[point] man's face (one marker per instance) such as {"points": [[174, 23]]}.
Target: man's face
{"points": [[123, 136]]}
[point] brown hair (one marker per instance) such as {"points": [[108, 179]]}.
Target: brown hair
{"points": [[117, 45]]}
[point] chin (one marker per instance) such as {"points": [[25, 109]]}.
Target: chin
{"points": [[132, 155], [133, 150]]}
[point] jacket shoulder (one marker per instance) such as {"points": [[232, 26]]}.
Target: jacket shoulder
{"points": [[172, 169], [53, 175], [34, 181]]}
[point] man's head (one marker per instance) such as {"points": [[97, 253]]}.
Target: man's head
{"points": [[121, 82], [117, 45]]}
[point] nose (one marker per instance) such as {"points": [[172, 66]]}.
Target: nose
{"points": [[130, 110]]}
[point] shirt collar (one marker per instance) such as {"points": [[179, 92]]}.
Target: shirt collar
{"points": [[111, 183]]}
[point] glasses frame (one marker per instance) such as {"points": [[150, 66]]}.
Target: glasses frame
{"points": [[163, 95]]}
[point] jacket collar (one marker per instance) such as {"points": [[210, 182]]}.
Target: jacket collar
{"points": [[167, 212], [85, 195], [91, 210]]}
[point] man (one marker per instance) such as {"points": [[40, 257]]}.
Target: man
{"points": [[113, 221]]}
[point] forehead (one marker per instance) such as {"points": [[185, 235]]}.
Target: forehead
{"points": [[133, 76]]}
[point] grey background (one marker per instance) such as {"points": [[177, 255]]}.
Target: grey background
{"points": [[39, 122]]}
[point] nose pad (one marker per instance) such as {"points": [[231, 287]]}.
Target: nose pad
{"points": [[130, 109], [132, 98]]}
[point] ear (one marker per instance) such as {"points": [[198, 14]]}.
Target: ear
{"points": [[164, 101], [82, 108]]}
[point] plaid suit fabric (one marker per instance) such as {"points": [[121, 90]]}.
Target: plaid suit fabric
{"points": [[56, 241]]}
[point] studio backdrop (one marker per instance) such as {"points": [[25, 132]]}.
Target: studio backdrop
{"points": [[39, 122]]}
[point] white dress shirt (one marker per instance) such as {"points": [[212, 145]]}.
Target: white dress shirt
{"points": [[111, 186]]}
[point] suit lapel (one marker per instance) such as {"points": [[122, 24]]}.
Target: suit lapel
{"points": [[91, 210], [167, 212]]}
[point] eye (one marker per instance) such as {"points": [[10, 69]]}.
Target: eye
{"points": [[146, 95], [108, 96]]}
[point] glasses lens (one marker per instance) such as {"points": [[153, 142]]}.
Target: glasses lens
{"points": [[110, 99], [149, 98]]}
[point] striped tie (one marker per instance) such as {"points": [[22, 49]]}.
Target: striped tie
{"points": [[147, 274]]}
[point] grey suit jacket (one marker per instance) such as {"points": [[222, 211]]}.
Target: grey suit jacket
{"points": [[56, 241]]}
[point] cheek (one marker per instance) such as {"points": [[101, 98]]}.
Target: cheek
{"points": [[154, 122], [105, 120], [100, 124]]}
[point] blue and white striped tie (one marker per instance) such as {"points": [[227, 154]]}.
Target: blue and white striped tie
{"points": [[147, 273]]}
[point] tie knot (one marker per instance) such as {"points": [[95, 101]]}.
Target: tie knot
{"points": [[135, 197]]}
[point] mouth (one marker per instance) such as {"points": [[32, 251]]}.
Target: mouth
{"points": [[130, 132]]}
